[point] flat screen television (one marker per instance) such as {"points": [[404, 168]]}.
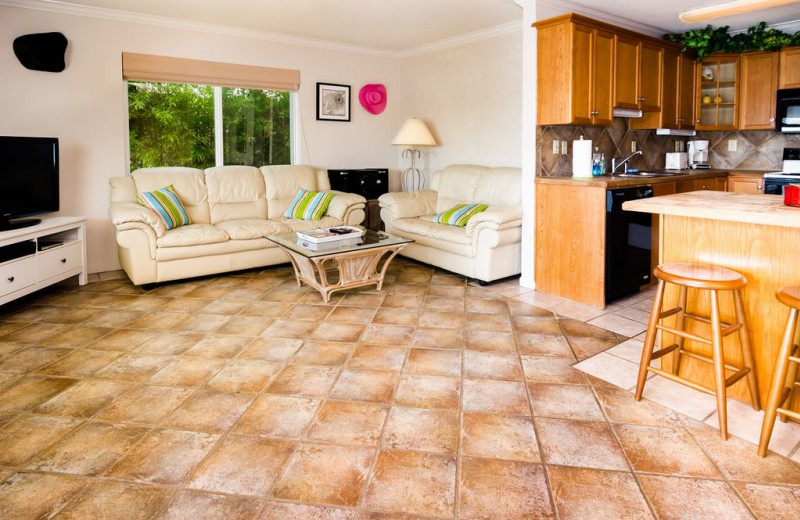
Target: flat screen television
{"points": [[28, 179]]}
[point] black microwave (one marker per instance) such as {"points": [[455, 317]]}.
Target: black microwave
{"points": [[787, 112]]}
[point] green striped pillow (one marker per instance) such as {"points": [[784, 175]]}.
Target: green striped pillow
{"points": [[309, 205], [459, 214], [167, 205]]}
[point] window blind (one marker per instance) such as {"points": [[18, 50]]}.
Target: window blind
{"points": [[163, 69]]}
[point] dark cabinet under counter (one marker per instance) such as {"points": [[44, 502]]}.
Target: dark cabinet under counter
{"points": [[370, 183]]}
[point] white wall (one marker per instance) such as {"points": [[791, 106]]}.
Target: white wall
{"points": [[471, 98], [86, 105]]}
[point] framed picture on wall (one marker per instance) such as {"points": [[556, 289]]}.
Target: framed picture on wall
{"points": [[333, 102]]}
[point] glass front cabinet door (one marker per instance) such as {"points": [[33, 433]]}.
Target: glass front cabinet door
{"points": [[718, 93]]}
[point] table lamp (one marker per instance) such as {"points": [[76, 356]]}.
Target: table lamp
{"points": [[413, 133]]}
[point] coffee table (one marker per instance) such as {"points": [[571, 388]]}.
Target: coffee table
{"points": [[337, 268]]}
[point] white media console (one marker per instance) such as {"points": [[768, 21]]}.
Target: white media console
{"points": [[37, 256]]}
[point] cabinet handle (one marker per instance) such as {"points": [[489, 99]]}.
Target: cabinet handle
{"points": [[595, 112], [63, 260], [759, 187], [11, 279], [640, 99], [705, 187], [771, 119]]}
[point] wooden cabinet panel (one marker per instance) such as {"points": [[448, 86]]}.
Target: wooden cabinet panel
{"points": [[581, 80], [602, 81], [686, 95], [759, 83], [671, 90], [744, 183], [676, 94], [626, 77], [718, 93], [789, 76], [650, 76], [685, 186]]}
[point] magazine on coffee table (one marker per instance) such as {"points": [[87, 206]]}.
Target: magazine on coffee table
{"points": [[334, 234]]}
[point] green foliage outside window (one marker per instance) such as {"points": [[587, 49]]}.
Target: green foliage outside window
{"points": [[172, 124]]}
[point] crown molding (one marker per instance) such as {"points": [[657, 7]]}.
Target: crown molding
{"points": [[568, 6], [56, 6]]}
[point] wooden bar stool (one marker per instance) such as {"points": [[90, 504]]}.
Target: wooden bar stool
{"points": [[784, 377], [712, 279]]}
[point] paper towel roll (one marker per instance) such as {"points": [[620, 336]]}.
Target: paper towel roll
{"points": [[582, 158]]}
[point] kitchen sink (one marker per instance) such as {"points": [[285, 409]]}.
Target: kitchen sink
{"points": [[635, 175]]}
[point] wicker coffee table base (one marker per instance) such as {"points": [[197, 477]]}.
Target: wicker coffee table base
{"points": [[348, 270]]}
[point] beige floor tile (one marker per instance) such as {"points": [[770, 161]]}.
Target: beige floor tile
{"points": [[616, 371], [491, 341], [266, 309], [433, 362], [242, 466], [348, 423], [274, 510], [619, 324], [489, 365], [209, 411], [202, 323], [332, 331], [441, 319], [304, 381], [125, 340], [210, 306], [630, 350], [324, 353], [29, 392], [33, 495], [767, 501], [403, 301], [30, 358], [576, 311], [83, 399], [544, 345], [357, 315], [243, 375], [187, 371], [363, 299], [392, 316], [217, 346], [34, 333], [145, 405], [669, 451], [487, 306], [165, 457], [422, 391], [369, 357], [324, 474], [116, 501], [135, 367], [89, 450], [503, 489], [158, 321], [284, 328], [80, 363], [678, 498], [682, 399], [388, 335], [419, 429], [28, 436], [620, 407], [365, 385], [444, 304], [548, 369], [547, 325], [414, 483], [449, 339], [476, 321], [499, 437], [277, 416], [564, 401], [588, 444], [306, 312], [271, 349], [488, 396], [581, 493], [193, 504], [520, 308], [745, 423], [585, 347]]}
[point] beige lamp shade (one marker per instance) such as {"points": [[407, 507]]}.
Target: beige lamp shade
{"points": [[414, 133]]}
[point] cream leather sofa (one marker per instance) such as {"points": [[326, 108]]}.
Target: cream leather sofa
{"points": [[232, 208], [488, 247]]}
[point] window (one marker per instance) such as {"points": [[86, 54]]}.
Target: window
{"points": [[178, 124]]}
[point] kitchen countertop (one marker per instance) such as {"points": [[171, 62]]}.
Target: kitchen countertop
{"points": [[721, 205], [609, 181]]}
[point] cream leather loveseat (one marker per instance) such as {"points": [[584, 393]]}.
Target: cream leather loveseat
{"points": [[232, 208], [488, 247]]}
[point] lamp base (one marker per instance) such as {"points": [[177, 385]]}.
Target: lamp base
{"points": [[412, 179]]}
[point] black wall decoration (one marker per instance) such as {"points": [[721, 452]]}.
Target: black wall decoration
{"points": [[41, 51]]}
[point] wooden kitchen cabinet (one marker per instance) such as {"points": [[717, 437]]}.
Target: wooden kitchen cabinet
{"points": [[789, 68], [718, 93], [574, 72], [686, 90], [759, 84], [742, 182], [638, 69], [677, 94]]}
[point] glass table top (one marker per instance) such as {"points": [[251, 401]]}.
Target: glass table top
{"points": [[369, 240]]}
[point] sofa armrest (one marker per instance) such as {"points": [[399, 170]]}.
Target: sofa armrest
{"points": [[342, 204], [410, 204], [128, 214], [498, 217]]}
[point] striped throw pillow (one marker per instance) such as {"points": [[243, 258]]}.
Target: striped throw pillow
{"points": [[309, 205], [459, 214], [166, 203]]}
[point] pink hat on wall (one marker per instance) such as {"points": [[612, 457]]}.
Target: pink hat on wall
{"points": [[372, 97]]}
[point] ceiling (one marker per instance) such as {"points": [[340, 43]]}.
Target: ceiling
{"points": [[402, 25]]}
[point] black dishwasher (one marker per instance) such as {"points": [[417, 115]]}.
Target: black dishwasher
{"points": [[628, 243]]}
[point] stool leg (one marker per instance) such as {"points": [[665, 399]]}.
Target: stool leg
{"points": [[680, 324], [791, 377], [747, 351], [649, 340], [718, 356], [778, 383]]}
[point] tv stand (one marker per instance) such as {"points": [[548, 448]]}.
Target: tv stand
{"points": [[7, 224], [29, 261]]}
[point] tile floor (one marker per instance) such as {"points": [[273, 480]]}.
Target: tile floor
{"points": [[244, 396]]}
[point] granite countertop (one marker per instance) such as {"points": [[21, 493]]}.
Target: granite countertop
{"points": [[609, 181], [721, 205]]}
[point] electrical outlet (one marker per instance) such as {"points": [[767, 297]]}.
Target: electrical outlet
{"points": [[633, 146], [731, 145], [564, 150], [555, 146]]}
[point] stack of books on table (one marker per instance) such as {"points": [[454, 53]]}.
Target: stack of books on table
{"points": [[329, 238]]}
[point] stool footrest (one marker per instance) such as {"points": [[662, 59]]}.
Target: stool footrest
{"points": [[727, 328], [664, 351], [684, 334], [678, 379], [737, 376], [706, 359], [669, 312], [790, 413]]}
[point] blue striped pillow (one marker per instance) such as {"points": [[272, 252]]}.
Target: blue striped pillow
{"points": [[166, 203], [459, 214], [309, 205]]}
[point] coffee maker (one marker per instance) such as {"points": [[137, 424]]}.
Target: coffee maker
{"points": [[698, 155]]}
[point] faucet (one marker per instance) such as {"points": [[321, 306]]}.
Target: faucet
{"points": [[624, 162]]}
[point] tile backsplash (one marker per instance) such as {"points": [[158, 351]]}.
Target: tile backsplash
{"points": [[755, 150]]}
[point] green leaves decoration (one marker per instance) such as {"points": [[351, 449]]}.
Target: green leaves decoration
{"points": [[756, 38]]}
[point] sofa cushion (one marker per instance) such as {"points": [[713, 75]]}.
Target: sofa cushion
{"points": [[192, 235], [302, 225], [166, 204], [203, 251], [251, 228], [465, 183], [459, 214], [235, 192], [424, 231], [284, 181], [309, 205], [189, 184]]}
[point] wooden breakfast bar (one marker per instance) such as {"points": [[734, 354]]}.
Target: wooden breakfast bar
{"points": [[756, 235]]}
